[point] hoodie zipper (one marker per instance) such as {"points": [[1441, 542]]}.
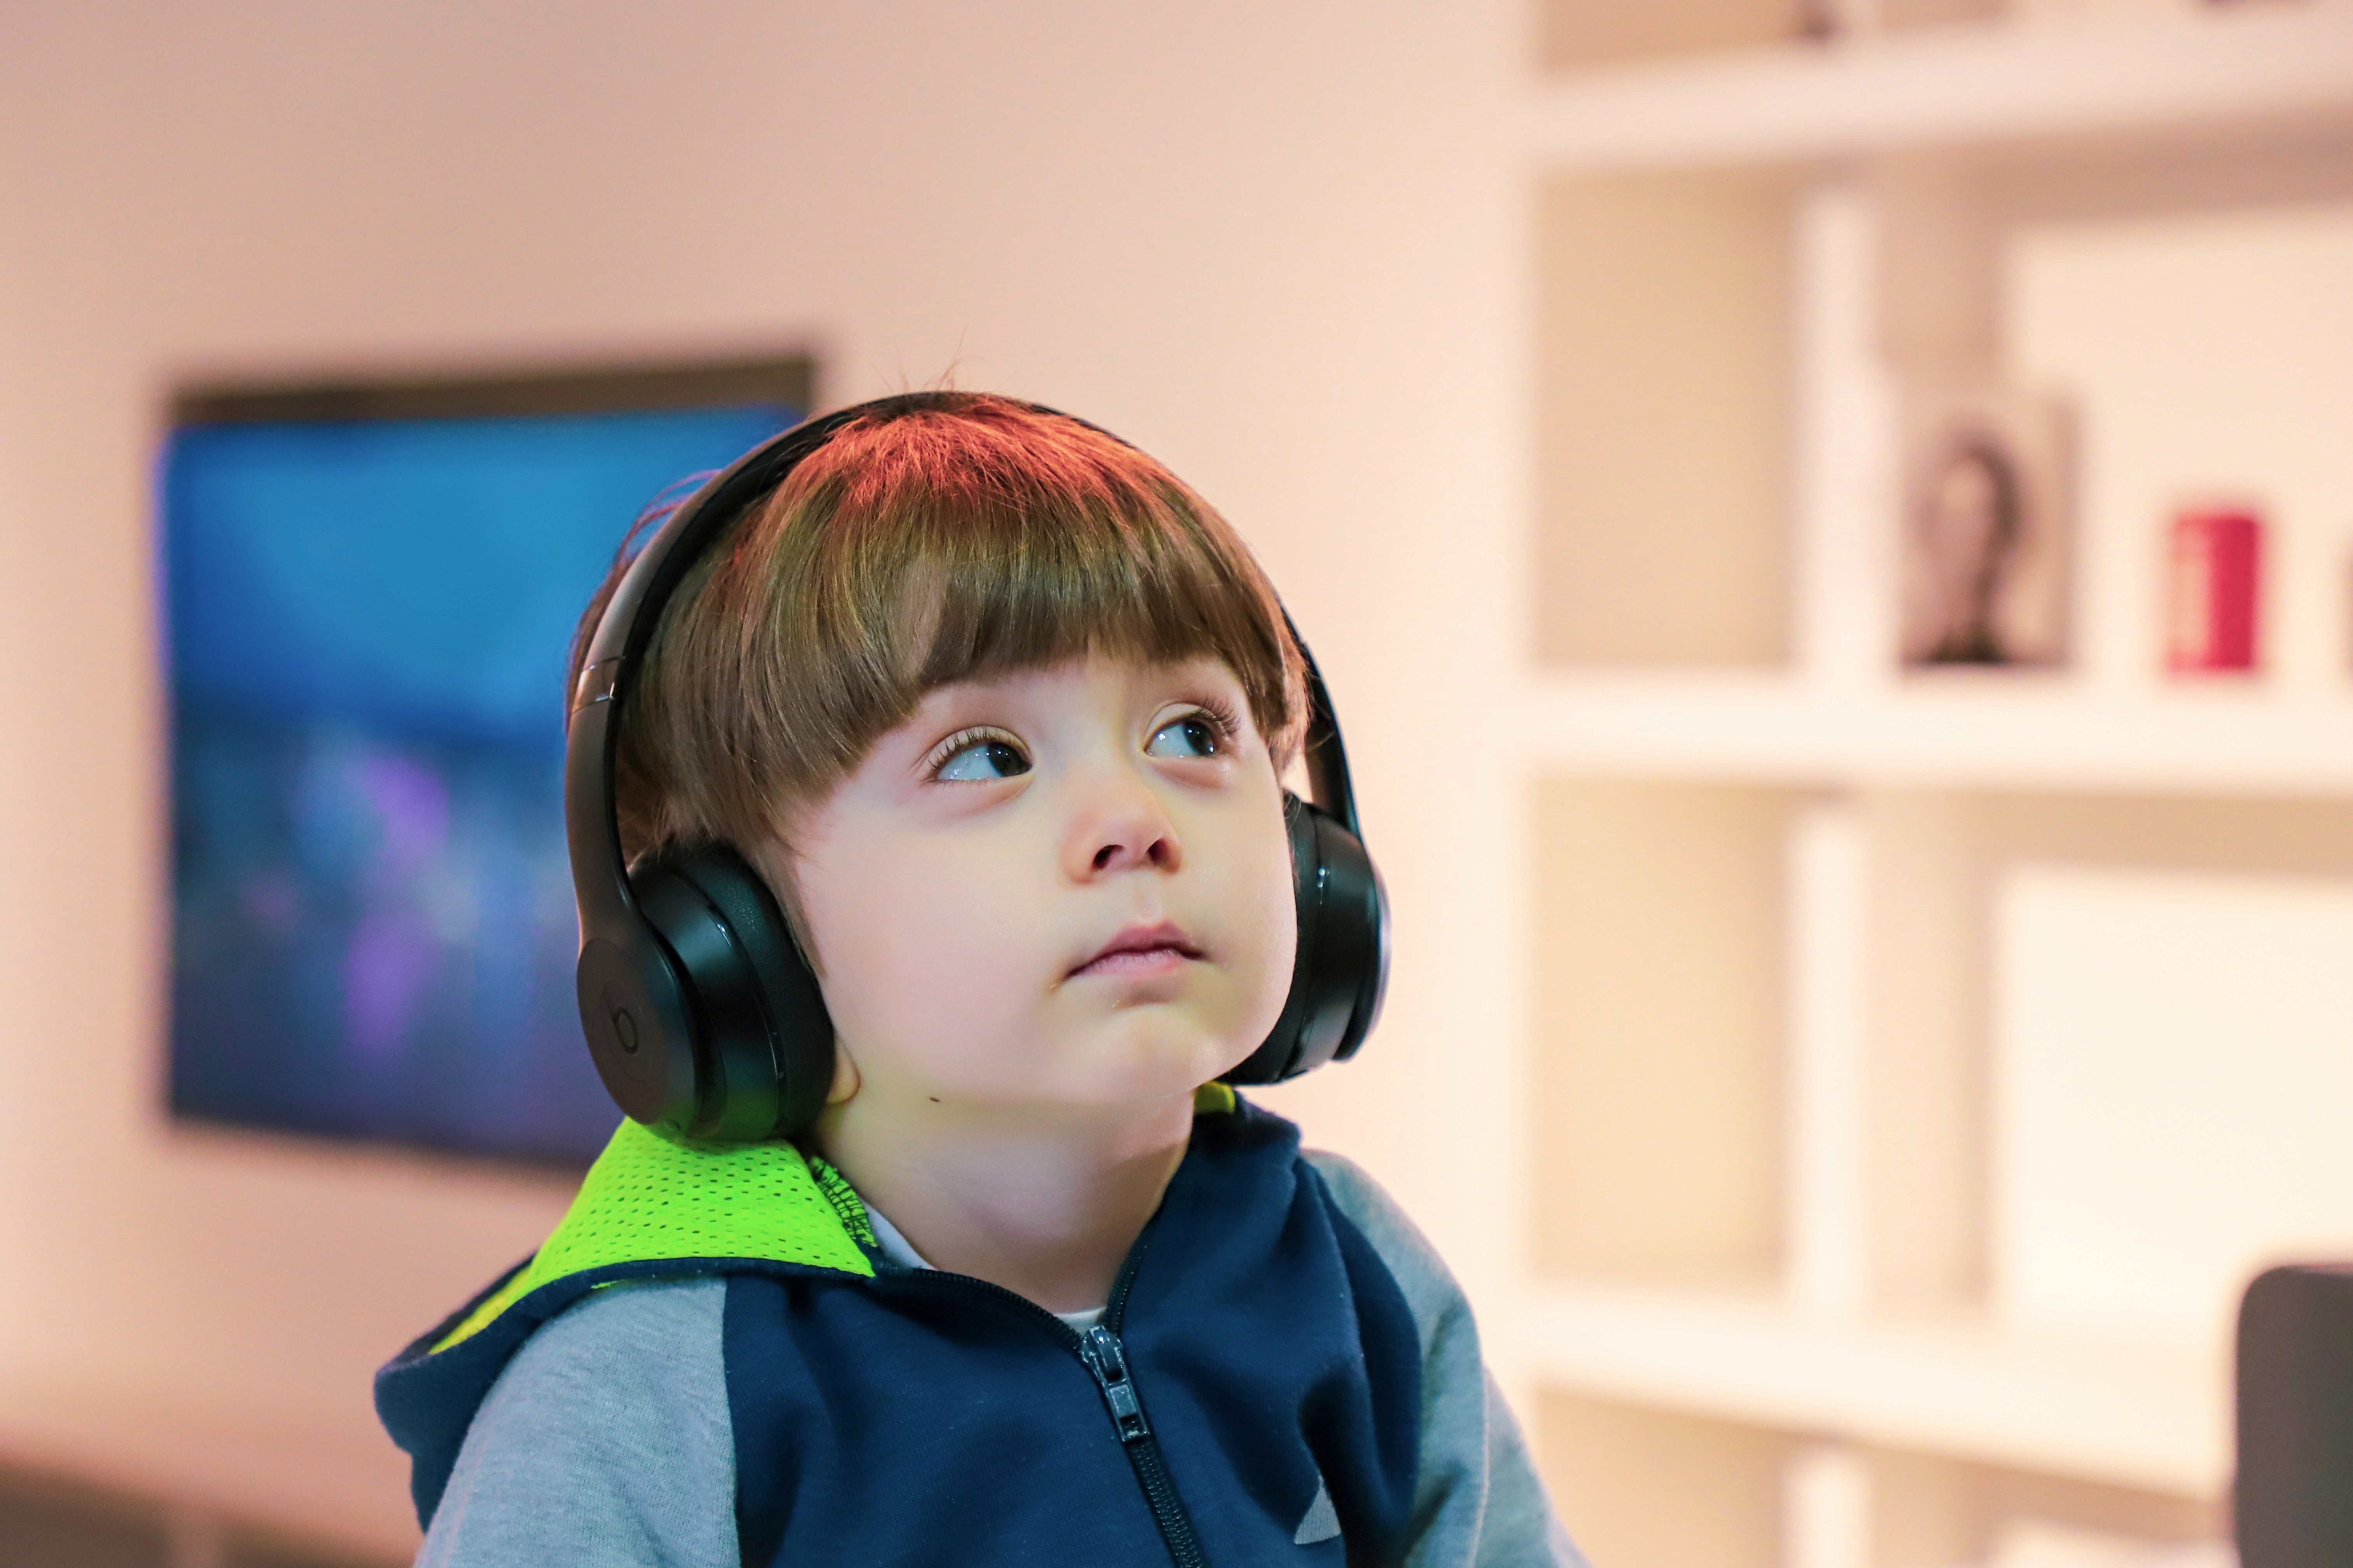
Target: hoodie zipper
{"points": [[1099, 1350], [1107, 1359]]}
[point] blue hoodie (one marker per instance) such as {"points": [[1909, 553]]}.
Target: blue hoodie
{"points": [[1283, 1374]]}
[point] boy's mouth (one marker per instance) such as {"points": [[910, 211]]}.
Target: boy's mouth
{"points": [[1142, 950]]}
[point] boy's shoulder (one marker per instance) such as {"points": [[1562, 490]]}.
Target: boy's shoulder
{"points": [[1431, 1292], [636, 1371]]}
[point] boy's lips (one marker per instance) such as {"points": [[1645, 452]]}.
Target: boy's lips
{"points": [[1141, 950]]}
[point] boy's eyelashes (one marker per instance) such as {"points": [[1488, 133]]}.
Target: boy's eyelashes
{"points": [[986, 754], [1211, 729], [976, 756]]}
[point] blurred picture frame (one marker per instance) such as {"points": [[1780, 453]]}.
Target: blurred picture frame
{"points": [[1986, 529], [368, 591]]}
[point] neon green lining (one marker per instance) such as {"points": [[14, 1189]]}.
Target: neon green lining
{"points": [[647, 1198], [844, 1198], [1214, 1098]]}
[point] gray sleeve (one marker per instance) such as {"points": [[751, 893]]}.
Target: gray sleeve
{"points": [[604, 1442], [1478, 1502]]}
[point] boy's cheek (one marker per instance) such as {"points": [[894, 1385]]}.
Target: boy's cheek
{"points": [[906, 955]]}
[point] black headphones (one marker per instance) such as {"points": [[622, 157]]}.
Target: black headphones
{"points": [[704, 1017]]}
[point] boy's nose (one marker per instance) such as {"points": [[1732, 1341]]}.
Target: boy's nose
{"points": [[1122, 828]]}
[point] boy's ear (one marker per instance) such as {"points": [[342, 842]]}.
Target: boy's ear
{"points": [[845, 1076]]}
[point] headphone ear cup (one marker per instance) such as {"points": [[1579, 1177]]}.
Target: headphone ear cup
{"points": [[1340, 970], [633, 1009], [762, 1042], [1354, 938]]}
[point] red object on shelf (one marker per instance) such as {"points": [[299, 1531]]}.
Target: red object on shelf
{"points": [[2214, 579]]}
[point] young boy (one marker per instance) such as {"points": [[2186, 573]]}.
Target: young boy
{"points": [[997, 707]]}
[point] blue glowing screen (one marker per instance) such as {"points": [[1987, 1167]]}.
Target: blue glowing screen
{"points": [[372, 932]]}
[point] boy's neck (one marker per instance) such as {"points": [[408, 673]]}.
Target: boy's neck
{"points": [[1048, 1209]]}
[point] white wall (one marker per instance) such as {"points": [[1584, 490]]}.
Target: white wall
{"points": [[1273, 244]]}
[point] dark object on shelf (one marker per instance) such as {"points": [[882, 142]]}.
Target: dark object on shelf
{"points": [[2214, 580], [1984, 548], [2294, 1499], [1823, 21]]}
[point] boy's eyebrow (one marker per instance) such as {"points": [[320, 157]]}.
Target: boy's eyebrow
{"points": [[1177, 671]]}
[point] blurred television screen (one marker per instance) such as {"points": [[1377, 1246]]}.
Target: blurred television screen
{"points": [[368, 605]]}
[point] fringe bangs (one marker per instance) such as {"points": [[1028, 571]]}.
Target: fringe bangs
{"points": [[950, 537]]}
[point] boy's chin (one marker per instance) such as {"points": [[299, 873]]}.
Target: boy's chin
{"points": [[1143, 1067]]}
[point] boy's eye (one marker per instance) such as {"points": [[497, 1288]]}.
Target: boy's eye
{"points": [[1195, 735], [981, 759]]}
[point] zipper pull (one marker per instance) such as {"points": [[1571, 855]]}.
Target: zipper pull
{"points": [[1100, 1349]]}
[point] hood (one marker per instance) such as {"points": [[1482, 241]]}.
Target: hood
{"points": [[649, 1208]]}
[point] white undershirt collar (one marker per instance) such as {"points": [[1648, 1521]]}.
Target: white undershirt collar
{"points": [[897, 1248]]}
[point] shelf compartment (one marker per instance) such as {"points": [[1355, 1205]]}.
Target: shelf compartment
{"points": [[2149, 1417], [2000, 732], [1642, 1488], [1954, 88], [2169, 1074], [1663, 420], [1659, 1008]]}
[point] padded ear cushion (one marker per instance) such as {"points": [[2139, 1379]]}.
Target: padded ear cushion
{"points": [[1341, 969], [763, 1039]]}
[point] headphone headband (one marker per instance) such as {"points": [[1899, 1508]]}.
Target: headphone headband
{"points": [[1326, 758]]}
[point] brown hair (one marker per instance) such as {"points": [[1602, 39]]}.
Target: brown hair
{"points": [[943, 536]]}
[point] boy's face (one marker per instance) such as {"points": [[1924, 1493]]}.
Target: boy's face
{"points": [[969, 889]]}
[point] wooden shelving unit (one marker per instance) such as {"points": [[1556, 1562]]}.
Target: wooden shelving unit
{"points": [[2009, 732], [2152, 1417], [1872, 190], [2190, 73]]}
